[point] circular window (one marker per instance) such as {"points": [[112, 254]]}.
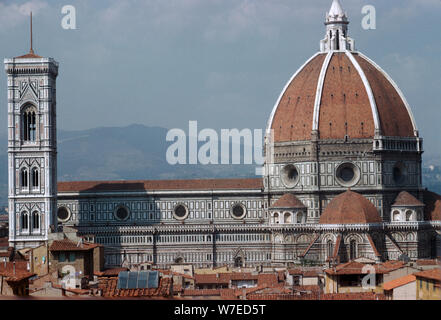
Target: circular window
{"points": [[63, 214], [122, 213], [398, 173], [347, 174], [290, 176], [180, 211], [238, 211]]}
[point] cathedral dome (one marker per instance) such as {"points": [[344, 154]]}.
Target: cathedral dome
{"points": [[350, 208], [340, 93]]}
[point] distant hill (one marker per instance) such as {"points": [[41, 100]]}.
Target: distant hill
{"points": [[139, 152], [117, 153]]}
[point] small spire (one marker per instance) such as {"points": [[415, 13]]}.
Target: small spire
{"points": [[31, 51], [336, 9]]}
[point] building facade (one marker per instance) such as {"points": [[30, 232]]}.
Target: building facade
{"points": [[342, 177]]}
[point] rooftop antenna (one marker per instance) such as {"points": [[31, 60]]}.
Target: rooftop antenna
{"points": [[31, 50]]}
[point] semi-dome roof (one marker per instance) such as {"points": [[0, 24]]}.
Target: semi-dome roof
{"points": [[350, 208], [288, 200], [339, 92]]}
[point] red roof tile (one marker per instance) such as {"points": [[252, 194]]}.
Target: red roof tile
{"points": [[28, 55], [109, 289], [21, 272], [428, 262], [288, 200], [353, 267], [404, 198], [350, 208], [69, 245], [399, 282], [433, 274], [145, 185]]}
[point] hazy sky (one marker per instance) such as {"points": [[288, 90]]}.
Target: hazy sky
{"points": [[220, 62]]}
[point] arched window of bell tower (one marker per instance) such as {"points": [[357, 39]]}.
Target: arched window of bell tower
{"points": [[35, 178], [29, 123], [24, 178], [35, 220], [24, 220]]}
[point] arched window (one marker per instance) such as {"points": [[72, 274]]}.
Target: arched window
{"points": [[409, 215], [35, 220], [287, 218], [238, 262], [24, 221], [396, 215], [329, 248], [276, 218], [24, 178], [353, 249], [35, 178], [299, 217], [29, 124]]}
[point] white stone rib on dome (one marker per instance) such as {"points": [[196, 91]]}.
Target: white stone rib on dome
{"points": [[318, 94], [400, 93], [271, 118], [368, 91]]}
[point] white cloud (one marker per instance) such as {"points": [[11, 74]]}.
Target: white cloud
{"points": [[15, 14]]}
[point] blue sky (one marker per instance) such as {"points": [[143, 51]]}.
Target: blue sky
{"points": [[220, 62]]}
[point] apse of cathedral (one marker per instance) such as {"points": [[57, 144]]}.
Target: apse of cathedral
{"points": [[344, 180]]}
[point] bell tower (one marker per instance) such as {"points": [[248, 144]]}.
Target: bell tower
{"points": [[32, 147]]}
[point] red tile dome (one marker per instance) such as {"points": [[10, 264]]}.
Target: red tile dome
{"points": [[350, 208], [340, 92]]}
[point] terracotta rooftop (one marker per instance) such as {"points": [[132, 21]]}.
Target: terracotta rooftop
{"points": [[344, 105], [353, 267], [428, 262], [433, 274], [69, 245], [433, 205], [350, 208], [111, 272], [288, 200], [399, 282], [404, 198], [29, 55], [109, 289], [21, 272], [145, 185]]}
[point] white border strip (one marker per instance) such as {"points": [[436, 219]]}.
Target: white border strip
{"points": [[400, 93], [368, 90], [270, 120], [319, 90]]}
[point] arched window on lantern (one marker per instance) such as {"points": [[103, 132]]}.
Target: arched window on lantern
{"points": [[287, 218], [409, 216]]}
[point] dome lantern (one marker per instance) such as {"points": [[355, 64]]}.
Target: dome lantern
{"points": [[336, 30]]}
